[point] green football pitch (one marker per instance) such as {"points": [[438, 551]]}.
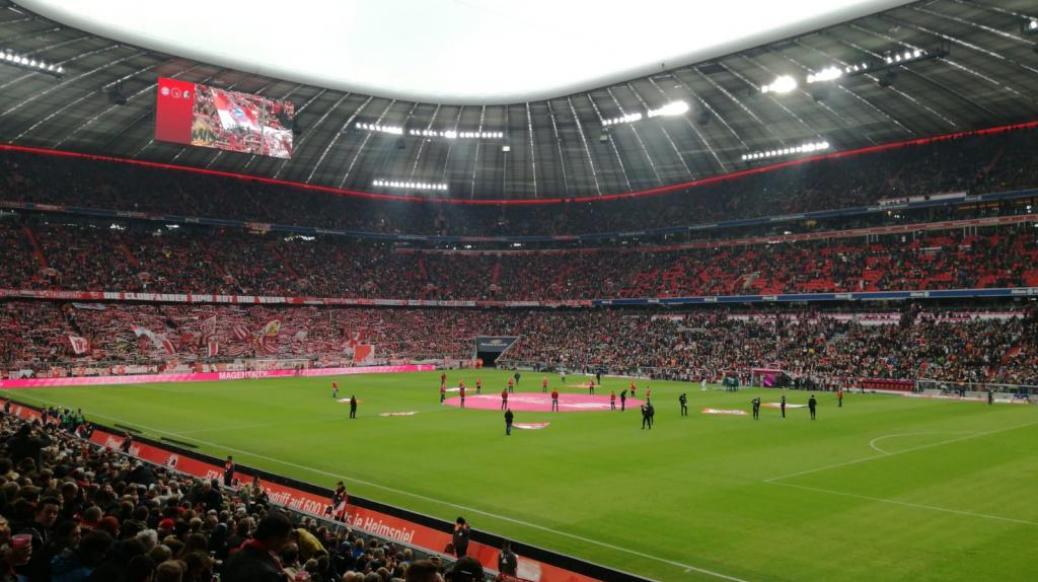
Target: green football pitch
{"points": [[884, 488]]}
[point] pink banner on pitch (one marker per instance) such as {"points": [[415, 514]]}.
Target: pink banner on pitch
{"points": [[208, 376]]}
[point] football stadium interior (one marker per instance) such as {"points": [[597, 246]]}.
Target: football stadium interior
{"points": [[397, 291]]}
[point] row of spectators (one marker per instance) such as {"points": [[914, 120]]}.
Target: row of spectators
{"points": [[981, 346], [821, 346], [975, 164], [73, 512], [78, 256]]}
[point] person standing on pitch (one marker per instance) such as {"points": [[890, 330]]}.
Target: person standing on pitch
{"points": [[598, 377], [839, 397], [554, 400], [479, 385], [511, 385], [811, 405], [645, 415], [353, 406], [991, 397], [335, 389], [623, 400], [443, 393], [756, 408], [591, 387], [651, 411], [461, 392], [504, 399], [517, 375], [544, 384], [782, 406], [612, 400], [683, 399], [509, 417]]}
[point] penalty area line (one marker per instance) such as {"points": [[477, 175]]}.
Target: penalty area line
{"points": [[901, 452], [686, 567]]}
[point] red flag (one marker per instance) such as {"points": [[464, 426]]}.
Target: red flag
{"points": [[240, 332], [79, 344]]}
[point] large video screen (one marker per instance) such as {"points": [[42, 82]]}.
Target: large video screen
{"points": [[199, 115]]}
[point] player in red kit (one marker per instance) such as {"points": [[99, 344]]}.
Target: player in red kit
{"points": [[461, 392], [612, 400], [335, 389], [634, 389], [544, 384], [504, 400], [591, 387], [555, 400], [479, 385], [511, 385]]}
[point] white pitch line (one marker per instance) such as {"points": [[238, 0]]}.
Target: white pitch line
{"points": [[872, 443], [686, 567], [901, 452], [336, 418], [908, 504]]}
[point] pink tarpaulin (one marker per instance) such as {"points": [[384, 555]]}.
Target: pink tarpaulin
{"points": [[541, 402], [208, 376]]}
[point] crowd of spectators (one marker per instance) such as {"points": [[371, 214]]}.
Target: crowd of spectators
{"points": [[972, 164], [33, 334], [980, 346], [816, 345], [71, 511], [92, 257]]}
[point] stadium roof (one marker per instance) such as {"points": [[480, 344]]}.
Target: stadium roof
{"points": [[423, 50], [954, 65]]}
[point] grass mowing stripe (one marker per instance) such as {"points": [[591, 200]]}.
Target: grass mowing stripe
{"points": [[907, 503], [686, 567]]}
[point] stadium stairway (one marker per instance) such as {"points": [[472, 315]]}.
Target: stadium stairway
{"points": [[495, 273], [128, 255], [284, 262], [37, 251]]}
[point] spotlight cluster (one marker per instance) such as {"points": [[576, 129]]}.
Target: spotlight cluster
{"points": [[455, 134], [12, 58], [409, 185], [672, 109], [376, 127], [807, 148]]}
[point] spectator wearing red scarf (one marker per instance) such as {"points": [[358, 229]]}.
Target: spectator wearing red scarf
{"points": [[257, 560]]}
